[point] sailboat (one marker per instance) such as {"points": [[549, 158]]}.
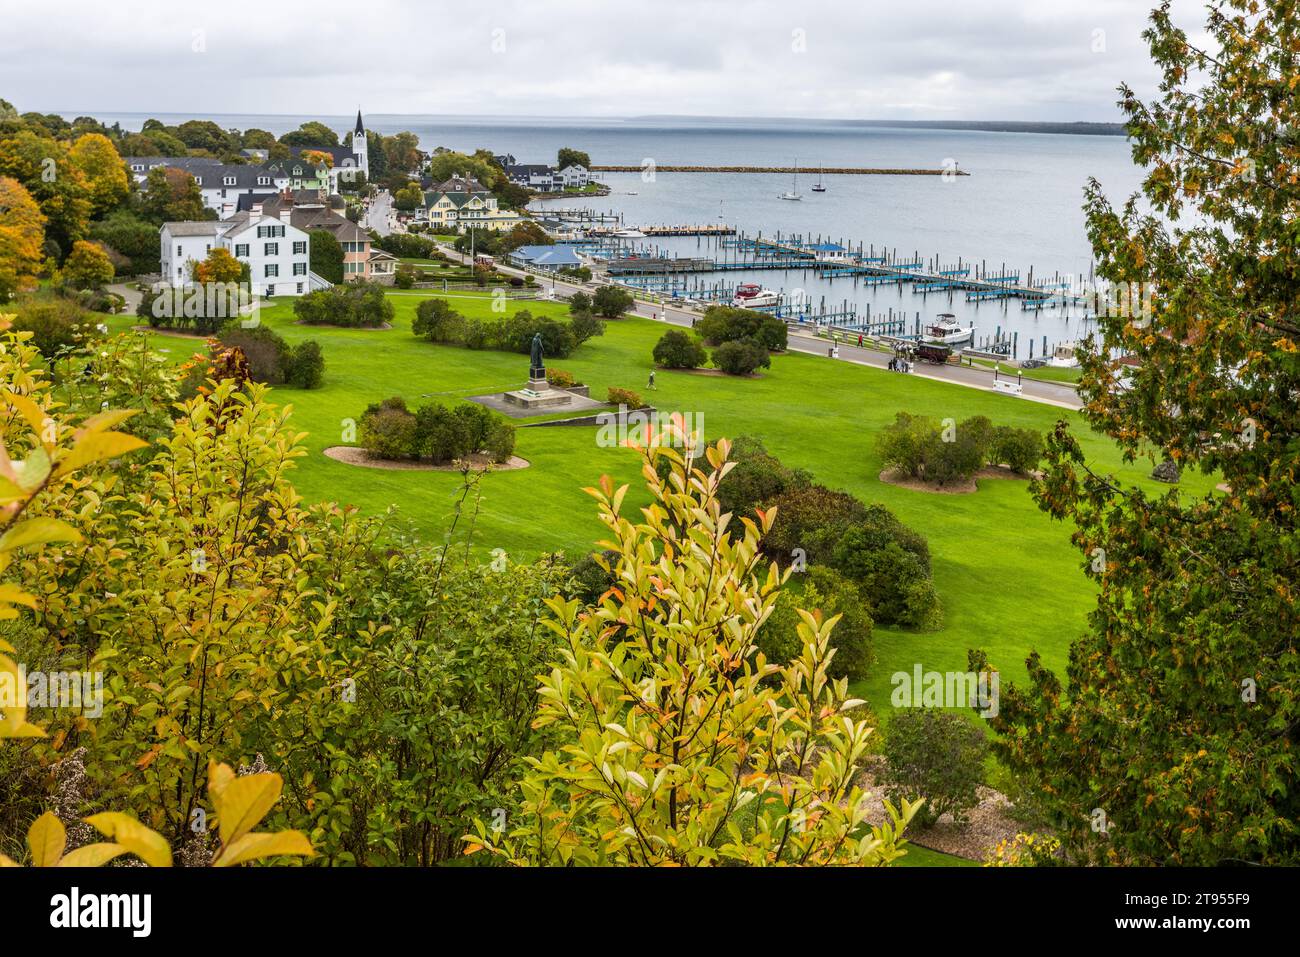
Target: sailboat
{"points": [[818, 187], [794, 185]]}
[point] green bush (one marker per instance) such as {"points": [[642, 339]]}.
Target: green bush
{"points": [[611, 302], [811, 518], [585, 326], [580, 302], [405, 277], [589, 579], [1018, 449], [350, 305], [756, 479], [406, 246], [57, 325], [924, 449], [131, 237], [937, 755], [437, 432], [893, 580], [721, 324], [741, 357], [677, 349], [389, 431], [269, 356], [307, 365], [437, 321], [821, 589]]}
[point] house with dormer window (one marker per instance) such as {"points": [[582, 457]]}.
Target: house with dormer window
{"points": [[462, 202], [221, 184]]}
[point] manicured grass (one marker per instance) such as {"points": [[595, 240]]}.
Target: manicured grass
{"points": [[1008, 577], [918, 856], [1042, 373]]}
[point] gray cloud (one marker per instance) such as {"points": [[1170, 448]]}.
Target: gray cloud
{"points": [[922, 59]]}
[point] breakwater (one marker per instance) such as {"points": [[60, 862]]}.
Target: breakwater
{"points": [[829, 170]]}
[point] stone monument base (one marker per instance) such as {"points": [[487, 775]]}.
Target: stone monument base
{"points": [[538, 394]]}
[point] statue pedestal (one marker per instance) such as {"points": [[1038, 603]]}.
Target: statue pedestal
{"points": [[538, 394]]}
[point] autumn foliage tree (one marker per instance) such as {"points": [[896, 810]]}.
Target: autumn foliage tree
{"points": [[22, 228], [676, 742], [1174, 741]]}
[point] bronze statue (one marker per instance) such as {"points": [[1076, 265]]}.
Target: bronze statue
{"points": [[537, 368]]}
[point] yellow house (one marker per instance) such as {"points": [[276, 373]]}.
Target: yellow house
{"points": [[463, 202]]}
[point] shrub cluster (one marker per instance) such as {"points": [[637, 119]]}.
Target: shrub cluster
{"points": [[437, 432], [867, 545], [741, 357], [922, 448], [349, 304], [721, 324], [627, 397], [561, 379], [274, 361], [437, 321], [57, 325]]}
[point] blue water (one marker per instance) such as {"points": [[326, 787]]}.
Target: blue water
{"points": [[1020, 206]]}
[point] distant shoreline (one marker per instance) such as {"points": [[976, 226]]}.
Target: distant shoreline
{"points": [[1067, 127], [841, 170]]}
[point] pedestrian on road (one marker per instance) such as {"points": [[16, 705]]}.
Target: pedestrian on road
{"points": [[859, 340]]}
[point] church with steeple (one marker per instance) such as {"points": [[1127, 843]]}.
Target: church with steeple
{"points": [[360, 148], [353, 156]]}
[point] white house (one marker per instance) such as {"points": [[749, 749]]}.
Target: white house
{"points": [[574, 175], [278, 253], [536, 176], [221, 184]]}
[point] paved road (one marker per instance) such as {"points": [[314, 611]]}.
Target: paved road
{"points": [[1049, 393], [381, 211]]}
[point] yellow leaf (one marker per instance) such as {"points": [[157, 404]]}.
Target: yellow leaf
{"points": [[92, 855], [7, 861], [38, 531], [150, 846], [33, 413], [252, 847], [46, 838], [16, 596], [242, 802], [96, 447]]}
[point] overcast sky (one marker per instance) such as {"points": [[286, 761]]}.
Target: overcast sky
{"points": [[860, 59]]}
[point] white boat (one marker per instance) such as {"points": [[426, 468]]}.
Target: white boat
{"points": [[632, 192], [750, 295], [947, 330], [629, 234], [1064, 356], [794, 185], [818, 187]]}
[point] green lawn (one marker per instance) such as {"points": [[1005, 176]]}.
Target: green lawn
{"points": [[1008, 577], [918, 856], [1042, 373]]}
